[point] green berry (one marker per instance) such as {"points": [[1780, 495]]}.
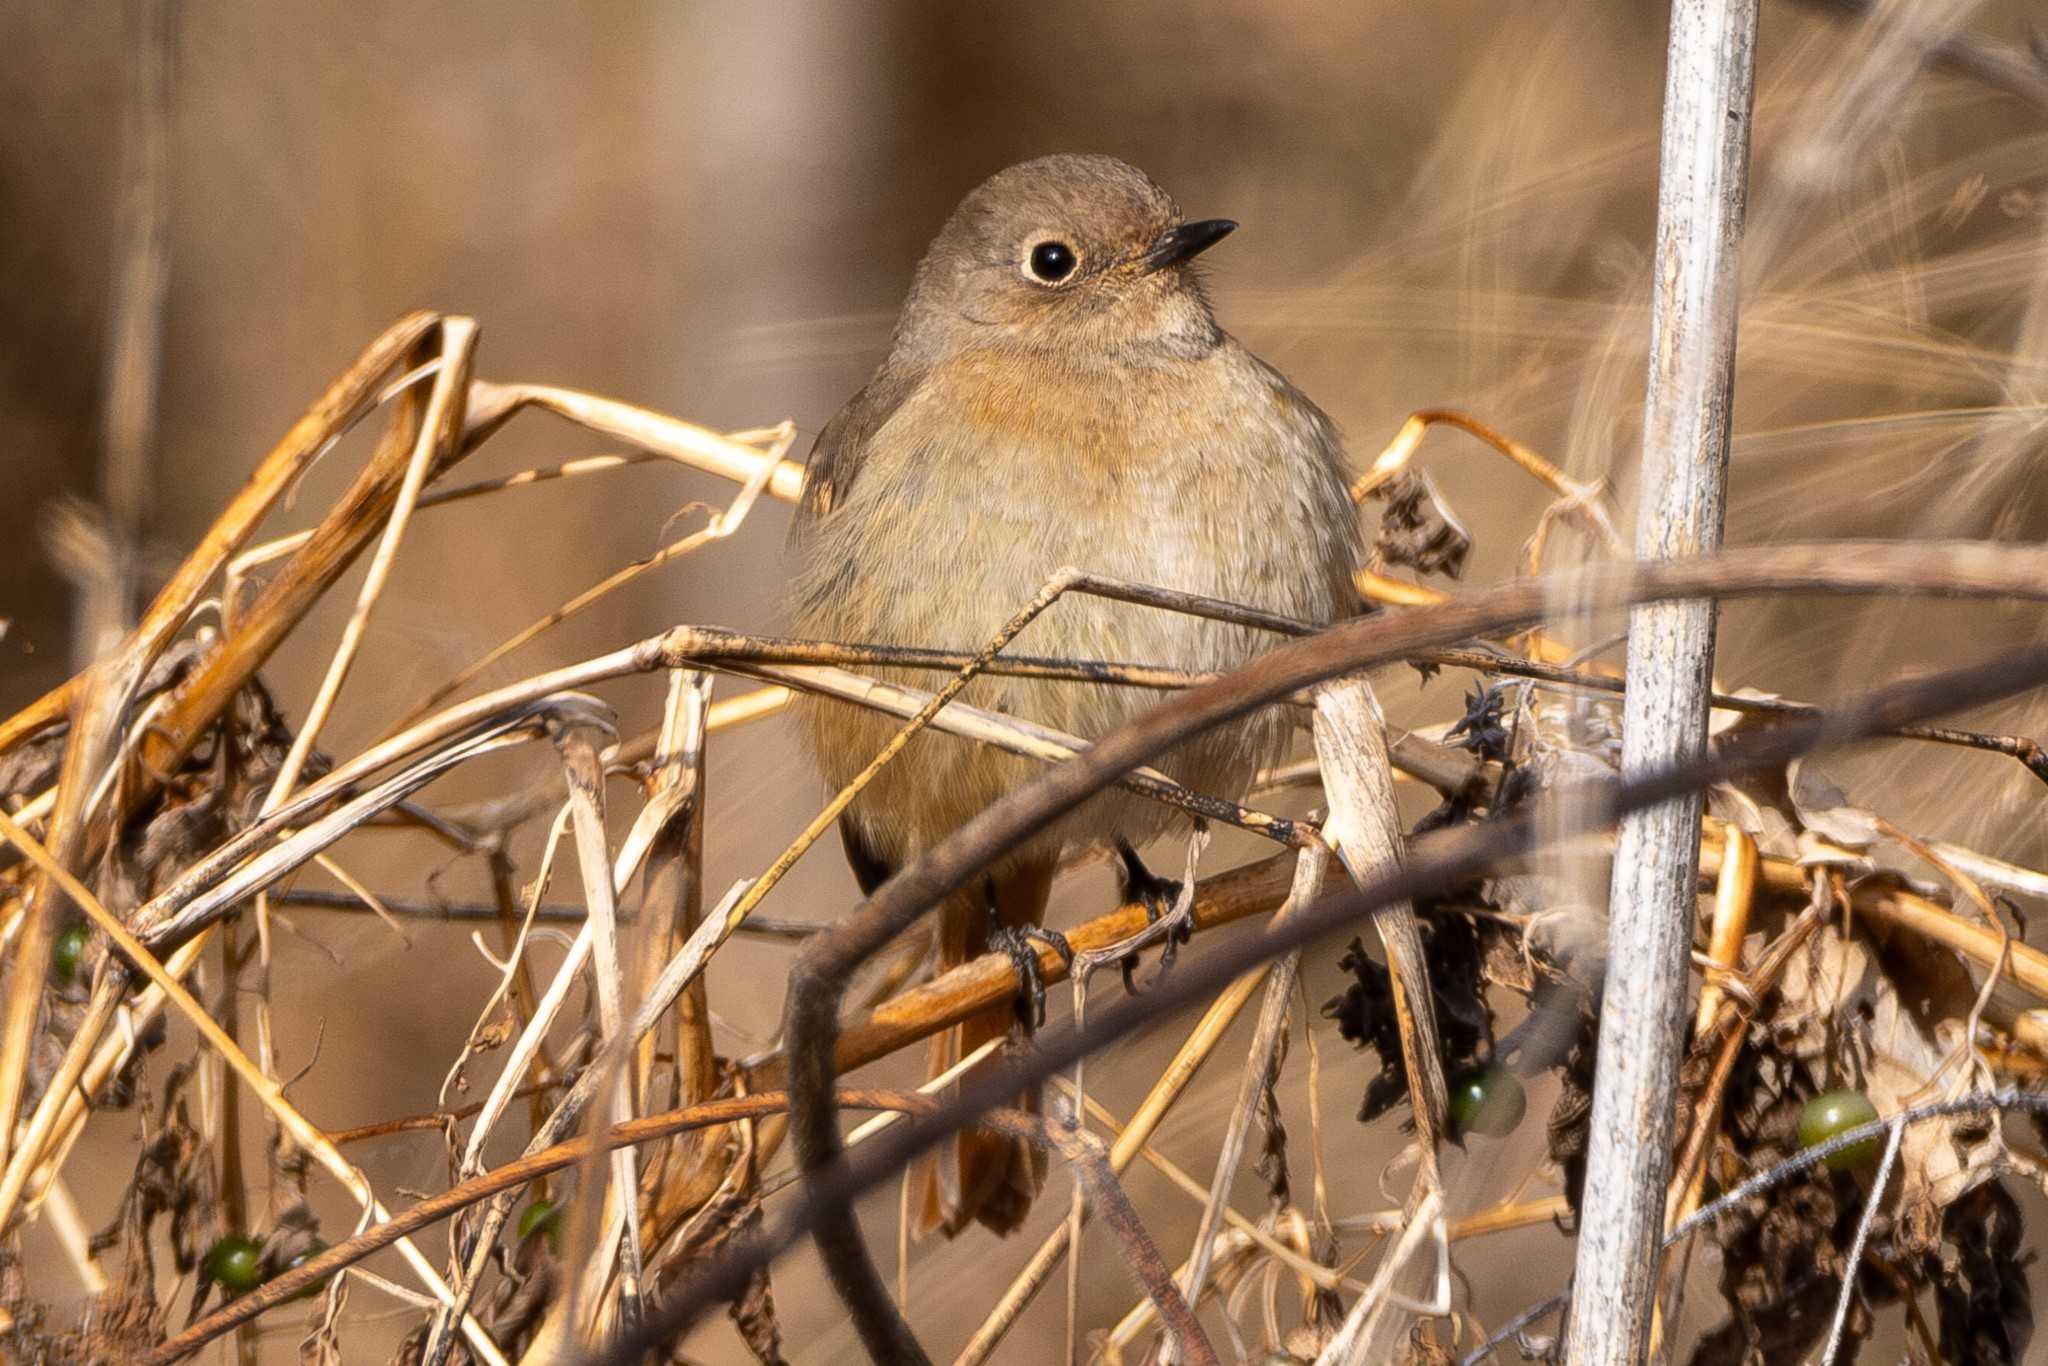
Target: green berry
{"points": [[1487, 1100], [1836, 1112], [313, 1249], [542, 1216], [68, 951], [236, 1262]]}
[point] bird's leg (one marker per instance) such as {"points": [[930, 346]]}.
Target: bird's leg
{"points": [[1016, 941], [1161, 897]]}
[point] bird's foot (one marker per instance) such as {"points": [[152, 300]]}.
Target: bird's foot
{"points": [[1017, 941], [1162, 899]]}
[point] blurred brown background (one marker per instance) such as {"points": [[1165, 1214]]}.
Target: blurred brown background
{"points": [[713, 210]]}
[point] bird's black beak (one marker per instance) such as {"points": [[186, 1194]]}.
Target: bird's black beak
{"points": [[1189, 239]]}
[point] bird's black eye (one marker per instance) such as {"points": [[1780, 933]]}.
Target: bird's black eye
{"points": [[1052, 262]]}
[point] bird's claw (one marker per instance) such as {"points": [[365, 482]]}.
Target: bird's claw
{"points": [[1160, 896], [1016, 941]]}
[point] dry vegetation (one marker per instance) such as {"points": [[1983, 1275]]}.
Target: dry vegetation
{"points": [[1835, 951], [163, 820]]}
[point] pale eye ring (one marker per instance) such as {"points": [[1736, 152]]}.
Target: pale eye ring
{"points": [[1052, 261]]}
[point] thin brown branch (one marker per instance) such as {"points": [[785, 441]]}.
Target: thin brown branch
{"points": [[288, 1285], [991, 979], [323, 899], [1141, 1256], [2028, 753], [440, 1121]]}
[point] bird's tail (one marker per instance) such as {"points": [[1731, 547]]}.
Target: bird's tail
{"points": [[977, 1176]]}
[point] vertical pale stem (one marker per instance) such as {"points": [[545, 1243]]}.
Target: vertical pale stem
{"points": [[1705, 163], [135, 353]]}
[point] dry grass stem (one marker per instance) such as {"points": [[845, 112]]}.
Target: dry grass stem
{"points": [[1351, 1343], [1364, 829], [621, 1236], [1311, 868]]}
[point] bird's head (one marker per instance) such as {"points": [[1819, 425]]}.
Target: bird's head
{"points": [[1083, 256]]}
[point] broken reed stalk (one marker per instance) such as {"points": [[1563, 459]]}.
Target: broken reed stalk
{"points": [[619, 1228], [1364, 826], [1702, 188], [1437, 861], [672, 905]]}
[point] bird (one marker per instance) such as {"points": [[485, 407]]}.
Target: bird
{"points": [[1057, 393]]}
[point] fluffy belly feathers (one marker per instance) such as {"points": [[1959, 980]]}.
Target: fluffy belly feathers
{"points": [[940, 547]]}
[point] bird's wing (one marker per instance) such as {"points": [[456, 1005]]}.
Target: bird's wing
{"points": [[841, 448]]}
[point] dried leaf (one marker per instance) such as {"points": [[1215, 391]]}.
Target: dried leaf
{"points": [[753, 1313], [1365, 1013], [1272, 1160], [1824, 809], [1980, 1281], [1481, 729], [1841, 1017], [1568, 1131], [1418, 528]]}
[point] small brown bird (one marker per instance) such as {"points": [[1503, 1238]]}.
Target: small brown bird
{"points": [[1057, 393]]}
